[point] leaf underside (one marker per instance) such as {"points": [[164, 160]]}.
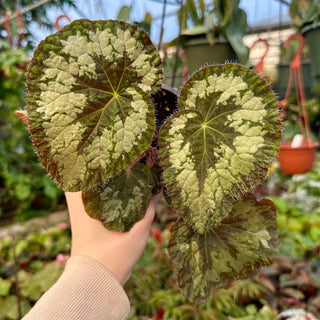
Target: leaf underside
{"points": [[241, 243], [122, 201], [88, 105], [221, 143]]}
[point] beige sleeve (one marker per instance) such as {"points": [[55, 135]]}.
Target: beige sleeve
{"points": [[85, 291]]}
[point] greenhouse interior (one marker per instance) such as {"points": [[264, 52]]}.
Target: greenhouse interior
{"points": [[159, 159]]}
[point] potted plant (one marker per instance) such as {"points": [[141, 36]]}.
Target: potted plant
{"points": [[306, 16], [297, 156], [212, 32], [98, 117]]}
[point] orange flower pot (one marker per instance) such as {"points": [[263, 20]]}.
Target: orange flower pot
{"points": [[297, 160]]}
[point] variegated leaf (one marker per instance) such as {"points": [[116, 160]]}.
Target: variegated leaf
{"points": [[221, 144], [241, 243], [122, 201], [88, 105]]}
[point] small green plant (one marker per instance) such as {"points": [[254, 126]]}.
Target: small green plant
{"points": [[215, 19], [31, 261], [304, 13], [299, 230], [96, 122]]}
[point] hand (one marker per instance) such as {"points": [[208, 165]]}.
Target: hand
{"points": [[116, 251]]}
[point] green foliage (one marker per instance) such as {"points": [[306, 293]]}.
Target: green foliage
{"points": [[304, 13], [92, 121], [301, 190], [25, 189], [29, 267], [217, 18], [299, 230], [38, 15], [35, 285], [298, 213], [124, 14], [151, 288]]}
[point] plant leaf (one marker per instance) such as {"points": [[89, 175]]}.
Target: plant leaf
{"points": [[294, 12], [224, 10], [235, 31], [222, 146], [196, 17], [5, 286], [124, 13], [243, 242], [122, 201], [89, 116]]}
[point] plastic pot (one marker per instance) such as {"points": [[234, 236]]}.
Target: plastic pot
{"points": [[199, 53], [296, 160]]}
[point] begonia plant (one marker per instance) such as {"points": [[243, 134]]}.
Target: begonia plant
{"points": [[103, 123]]}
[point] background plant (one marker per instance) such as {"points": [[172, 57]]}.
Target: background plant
{"points": [[40, 254], [25, 189], [291, 120], [304, 13], [215, 19], [31, 261], [38, 16]]}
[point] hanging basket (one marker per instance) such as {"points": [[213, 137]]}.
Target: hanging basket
{"points": [[297, 158]]}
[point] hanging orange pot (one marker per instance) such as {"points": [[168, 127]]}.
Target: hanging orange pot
{"points": [[297, 158]]}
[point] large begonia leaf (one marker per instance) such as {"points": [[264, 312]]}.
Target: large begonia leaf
{"points": [[88, 105], [241, 243], [220, 144], [122, 201]]}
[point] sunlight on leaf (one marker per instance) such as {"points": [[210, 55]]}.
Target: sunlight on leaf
{"points": [[88, 105], [221, 144], [243, 242]]}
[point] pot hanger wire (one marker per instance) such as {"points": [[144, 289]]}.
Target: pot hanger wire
{"points": [[259, 66], [20, 39], [295, 76], [58, 20]]}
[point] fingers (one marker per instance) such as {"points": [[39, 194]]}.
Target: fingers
{"points": [[76, 210], [150, 213], [145, 224]]}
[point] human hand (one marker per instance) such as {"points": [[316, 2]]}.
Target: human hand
{"points": [[117, 251]]}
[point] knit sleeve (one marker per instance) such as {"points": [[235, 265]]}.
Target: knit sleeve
{"points": [[85, 291]]}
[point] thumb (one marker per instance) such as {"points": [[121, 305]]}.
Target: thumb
{"points": [[144, 224]]}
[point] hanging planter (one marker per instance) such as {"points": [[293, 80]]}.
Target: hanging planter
{"points": [[297, 156], [297, 159]]}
